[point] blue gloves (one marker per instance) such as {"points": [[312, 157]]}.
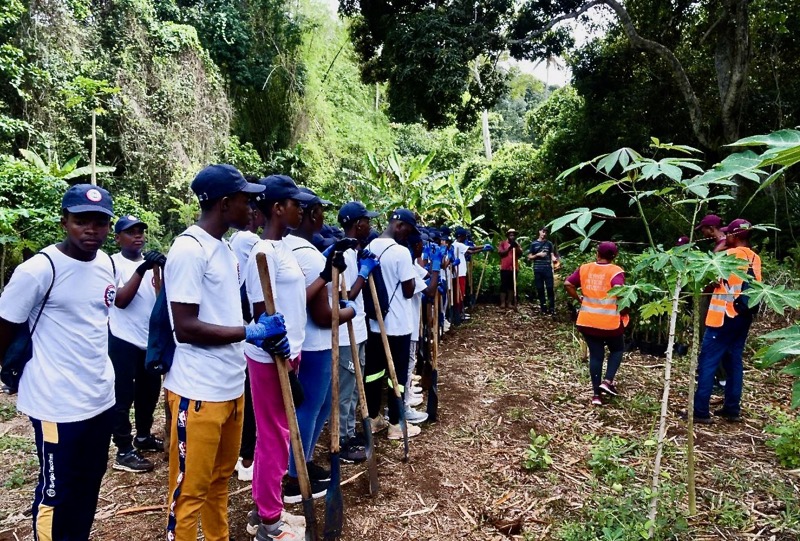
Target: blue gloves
{"points": [[348, 304], [277, 347], [266, 327], [340, 246], [366, 266], [436, 259], [456, 262], [442, 286], [488, 248]]}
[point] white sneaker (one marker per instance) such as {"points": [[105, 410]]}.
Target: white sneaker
{"points": [[414, 401], [415, 417], [244, 474], [282, 530], [416, 378], [416, 389], [298, 521], [378, 424], [446, 326], [396, 433], [238, 465]]}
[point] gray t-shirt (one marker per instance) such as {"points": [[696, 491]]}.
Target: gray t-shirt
{"points": [[542, 263]]}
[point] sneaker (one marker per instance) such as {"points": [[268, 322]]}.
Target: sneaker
{"points": [[465, 317], [317, 473], [446, 326], [396, 433], [416, 378], [699, 420], [291, 490], [254, 521], [149, 443], [353, 453], [414, 401], [416, 389], [284, 531], [244, 473], [379, 424], [415, 417], [132, 462], [608, 387], [730, 417], [597, 401]]}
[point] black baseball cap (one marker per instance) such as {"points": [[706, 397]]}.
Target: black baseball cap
{"points": [[219, 180], [87, 198], [317, 200], [126, 222], [353, 211], [405, 215], [280, 187]]}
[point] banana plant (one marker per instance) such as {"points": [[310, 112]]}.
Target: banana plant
{"points": [[66, 171]]}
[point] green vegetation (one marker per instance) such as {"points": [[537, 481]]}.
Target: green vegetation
{"points": [[537, 457], [786, 443]]}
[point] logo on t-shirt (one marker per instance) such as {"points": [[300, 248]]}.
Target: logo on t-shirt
{"points": [[93, 195], [110, 295]]}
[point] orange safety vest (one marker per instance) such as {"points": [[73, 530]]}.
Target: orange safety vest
{"points": [[598, 310], [727, 290]]}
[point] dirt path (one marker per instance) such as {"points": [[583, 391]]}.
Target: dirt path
{"points": [[502, 375]]}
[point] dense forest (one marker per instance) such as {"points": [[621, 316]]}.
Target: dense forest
{"points": [[409, 103]]}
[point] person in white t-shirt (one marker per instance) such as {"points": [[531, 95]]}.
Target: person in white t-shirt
{"points": [[397, 271], [64, 294], [315, 373], [355, 220], [461, 251], [206, 381], [127, 346]]}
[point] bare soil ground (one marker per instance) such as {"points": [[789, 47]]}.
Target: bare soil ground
{"points": [[503, 374]]}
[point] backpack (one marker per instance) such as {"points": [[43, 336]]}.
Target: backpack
{"points": [[383, 294], [20, 350], [160, 337], [740, 304]]}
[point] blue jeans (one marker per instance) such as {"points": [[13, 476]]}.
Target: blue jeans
{"points": [[597, 351], [543, 278], [722, 345], [315, 378]]}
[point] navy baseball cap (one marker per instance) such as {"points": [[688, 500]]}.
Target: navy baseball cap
{"points": [[219, 180], [280, 187], [460, 231], [126, 222], [405, 215], [354, 210], [87, 198], [316, 200]]}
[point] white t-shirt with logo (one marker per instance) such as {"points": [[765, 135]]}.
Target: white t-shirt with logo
{"points": [[311, 262], [360, 321], [205, 272], [460, 250], [396, 267], [416, 300], [288, 291], [242, 243], [132, 323], [70, 377]]}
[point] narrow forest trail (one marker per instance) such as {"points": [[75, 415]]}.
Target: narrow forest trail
{"points": [[503, 374]]}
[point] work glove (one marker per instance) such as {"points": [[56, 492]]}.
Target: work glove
{"points": [[456, 262], [341, 245], [488, 248], [436, 259], [366, 254], [366, 266], [277, 346], [266, 327], [343, 303], [442, 286], [334, 259], [151, 259]]}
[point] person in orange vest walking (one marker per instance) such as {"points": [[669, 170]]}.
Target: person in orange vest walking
{"points": [[599, 319], [727, 324]]}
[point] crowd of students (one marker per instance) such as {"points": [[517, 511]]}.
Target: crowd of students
{"points": [[88, 317]]}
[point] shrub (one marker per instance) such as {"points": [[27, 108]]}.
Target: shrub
{"points": [[786, 443], [536, 455]]}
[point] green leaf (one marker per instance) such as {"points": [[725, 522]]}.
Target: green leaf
{"points": [[595, 227], [602, 187], [583, 220], [796, 394], [34, 159], [87, 170], [602, 211]]}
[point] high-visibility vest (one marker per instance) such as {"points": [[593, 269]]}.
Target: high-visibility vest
{"points": [[727, 290], [598, 310]]}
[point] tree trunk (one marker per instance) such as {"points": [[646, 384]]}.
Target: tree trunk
{"points": [[487, 136], [690, 481], [94, 148]]}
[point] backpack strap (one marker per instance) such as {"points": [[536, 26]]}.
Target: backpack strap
{"points": [[49, 290]]}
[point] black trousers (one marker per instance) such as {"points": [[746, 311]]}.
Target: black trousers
{"points": [[133, 386], [543, 278], [375, 372], [72, 462], [248, 448]]}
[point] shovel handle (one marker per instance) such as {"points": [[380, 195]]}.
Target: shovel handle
{"points": [[384, 338], [286, 389], [362, 396], [334, 428], [157, 279]]}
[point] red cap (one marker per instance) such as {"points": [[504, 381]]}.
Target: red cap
{"points": [[739, 227], [711, 220], [607, 250]]}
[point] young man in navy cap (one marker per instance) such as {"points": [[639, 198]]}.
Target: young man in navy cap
{"points": [[127, 346], [67, 388], [206, 382], [355, 219], [543, 254], [399, 276]]}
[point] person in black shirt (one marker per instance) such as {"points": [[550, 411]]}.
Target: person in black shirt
{"points": [[543, 254]]}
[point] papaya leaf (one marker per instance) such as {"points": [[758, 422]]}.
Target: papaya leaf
{"points": [[602, 187]]}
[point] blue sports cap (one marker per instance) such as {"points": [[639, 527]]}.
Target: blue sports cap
{"points": [[280, 187], [354, 210], [219, 180], [126, 222], [405, 215], [316, 200], [87, 198]]}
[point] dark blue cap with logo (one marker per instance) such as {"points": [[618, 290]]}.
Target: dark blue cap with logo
{"points": [[280, 187], [405, 215], [126, 222], [459, 231], [354, 210], [219, 180], [87, 198], [317, 200]]}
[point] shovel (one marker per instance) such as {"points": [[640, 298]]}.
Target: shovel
{"points": [[291, 414], [390, 365], [432, 408], [334, 504], [366, 422], [480, 280]]}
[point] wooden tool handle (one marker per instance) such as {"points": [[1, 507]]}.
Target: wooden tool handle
{"points": [[334, 427], [157, 279], [384, 338], [435, 355], [362, 396]]}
